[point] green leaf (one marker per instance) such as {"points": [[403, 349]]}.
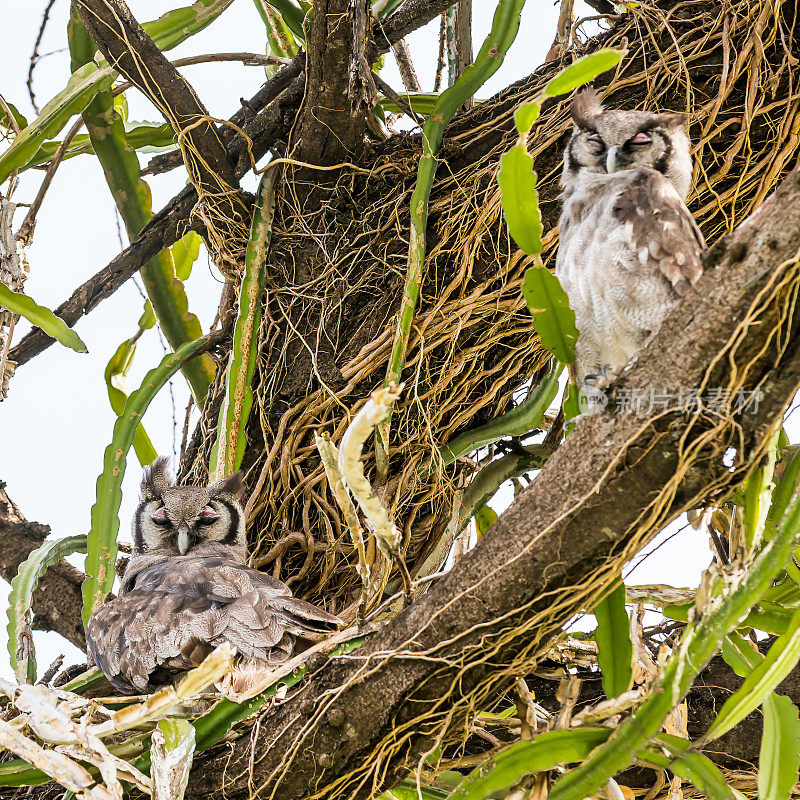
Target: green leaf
{"points": [[553, 319], [82, 86], [786, 488], [485, 517], [148, 318], [522, 419], [546, 751], [231, 440], [483, 486], [520, 200], [102, 543], [5, 123], [20, 599], [691, 766], [175, 27], [42, 317], [184, 253], [779, 759], [115, 373], [766, 617], [421, 102], [614, 646], [407, 790], [758, 496], [760, 683], [583, 71], [740, 654], [525, 116], [386, 7]]}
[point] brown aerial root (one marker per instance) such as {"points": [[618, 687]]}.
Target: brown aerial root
{"points": [[511, 646], [327, 328]]}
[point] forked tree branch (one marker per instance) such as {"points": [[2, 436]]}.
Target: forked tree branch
{"points": [[123, 41], [562, 539], [277, 101]]}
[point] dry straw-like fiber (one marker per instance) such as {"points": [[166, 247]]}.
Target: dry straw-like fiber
{"points": [[729, 64]]}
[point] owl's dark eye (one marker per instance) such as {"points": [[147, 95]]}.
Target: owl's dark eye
{"points": [[160, 516], [596, 143], [640, 140], [207, 516]]}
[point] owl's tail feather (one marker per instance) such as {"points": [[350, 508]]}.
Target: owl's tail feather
{"points": [[195, 650], [307, 621]]}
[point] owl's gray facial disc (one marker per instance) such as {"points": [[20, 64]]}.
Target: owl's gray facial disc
{"points": [[608, 141], [175, 520]]}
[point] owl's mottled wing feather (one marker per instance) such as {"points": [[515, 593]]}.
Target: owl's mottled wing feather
{"points": [[663, 231], [184, 607]]}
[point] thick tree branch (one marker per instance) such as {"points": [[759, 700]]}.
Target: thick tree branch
{"points": [[561, 540], [162, 231], [133, 53], [57, 602], [332, 119], [279, 98]]}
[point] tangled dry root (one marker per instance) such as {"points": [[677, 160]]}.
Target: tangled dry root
{"points": [[730, 64]]}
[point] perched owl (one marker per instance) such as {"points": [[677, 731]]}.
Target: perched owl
{"points": [[187, 589], [629, 248]]}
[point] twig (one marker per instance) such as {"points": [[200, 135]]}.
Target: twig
{"points": [[25, 233], [405, 65], [399, 101], [35, 55], [185, 435], [563, 30], [248, 59]]}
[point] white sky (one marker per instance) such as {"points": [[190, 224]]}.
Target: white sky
{"points": [[57, 421]]}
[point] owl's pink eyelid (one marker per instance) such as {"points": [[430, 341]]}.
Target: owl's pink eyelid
{"points": [[160, 513], [208, 511], [641, 138]]}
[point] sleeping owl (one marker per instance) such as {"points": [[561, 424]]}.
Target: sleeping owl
{"points": [[187, 589], [629, 248]]}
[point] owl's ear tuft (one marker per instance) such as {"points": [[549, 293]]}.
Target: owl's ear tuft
{"points": [[232, 485], [585, 107], [673, 119], [156, 479]]}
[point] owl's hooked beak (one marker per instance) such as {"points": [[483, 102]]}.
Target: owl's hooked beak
{"points": [[611, 159], [184, 542]]}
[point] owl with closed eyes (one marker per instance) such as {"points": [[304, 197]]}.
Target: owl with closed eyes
{"points": [[187, 589], [629, 248]]}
